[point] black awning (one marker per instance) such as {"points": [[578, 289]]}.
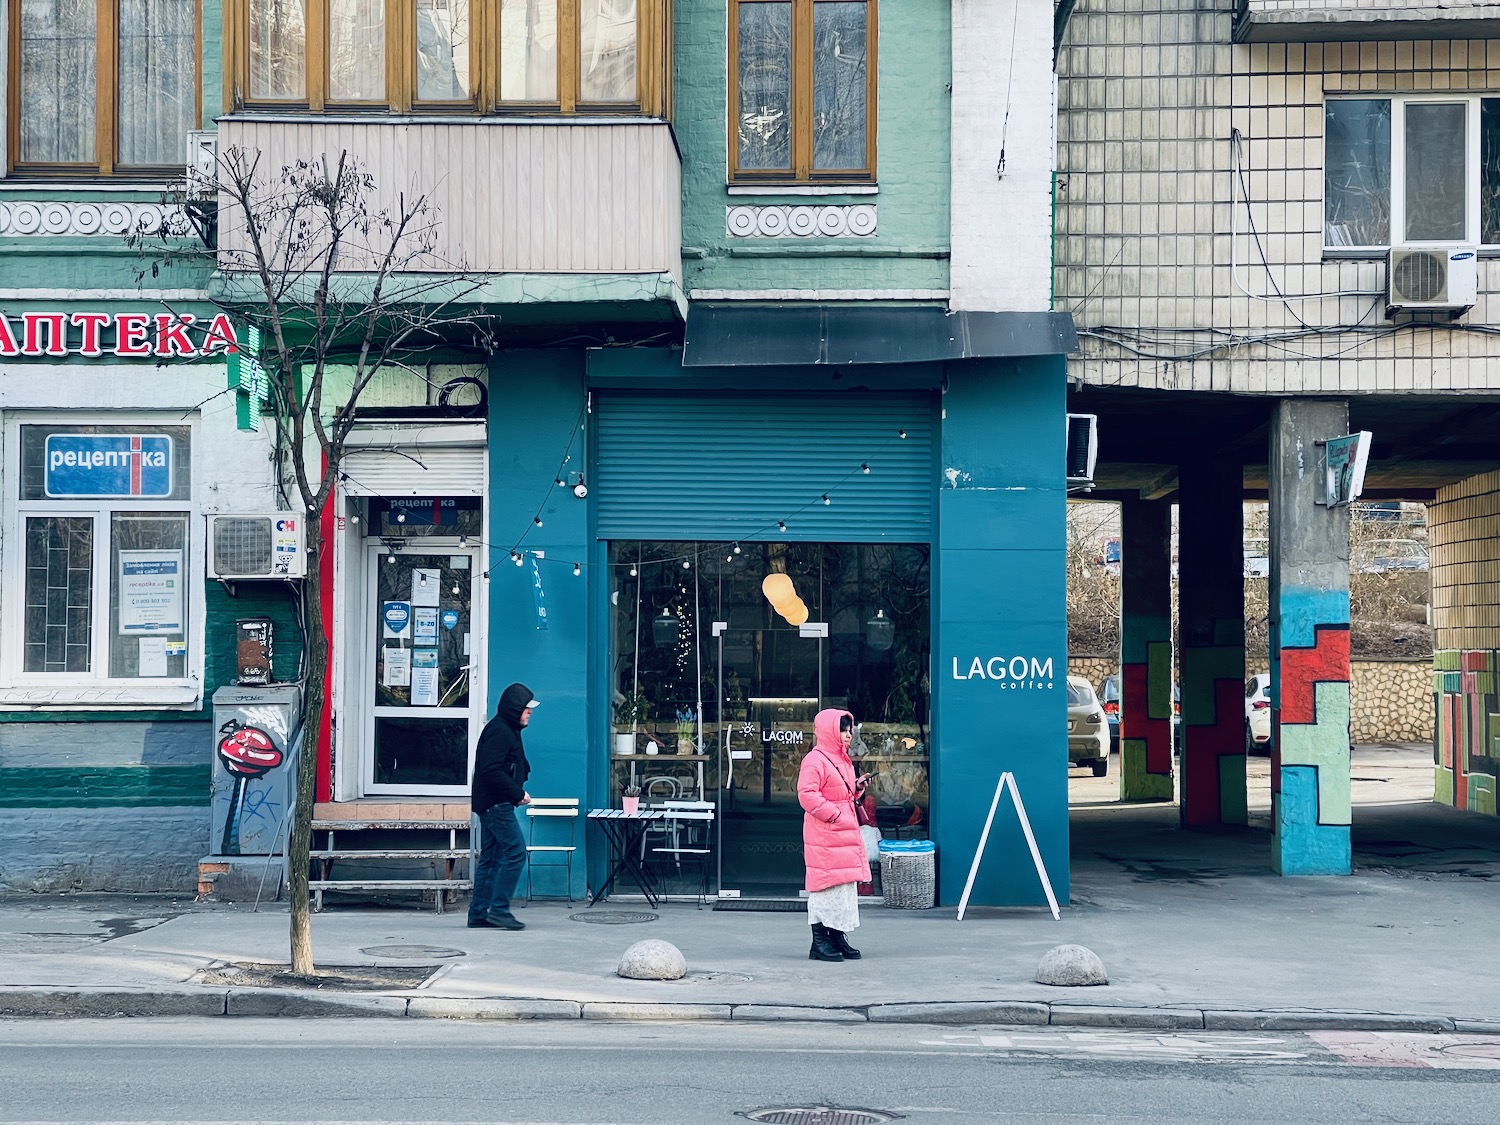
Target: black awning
{"points": [[775, 336]]}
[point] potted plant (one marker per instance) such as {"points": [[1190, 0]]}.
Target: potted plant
{"points": [[630, 799], [629, 711]]}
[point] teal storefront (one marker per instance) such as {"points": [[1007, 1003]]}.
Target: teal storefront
{"points": [[693, 551]]}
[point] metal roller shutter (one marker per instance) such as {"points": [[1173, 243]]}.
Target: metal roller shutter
{"points": [[729, 467]]}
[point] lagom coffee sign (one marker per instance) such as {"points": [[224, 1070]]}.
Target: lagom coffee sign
{"points": [[1009, 671], [128, 335]]}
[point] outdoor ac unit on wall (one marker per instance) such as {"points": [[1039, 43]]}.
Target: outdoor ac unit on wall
{"points": [[1083, 450], [256, 545], [1432, 278]]}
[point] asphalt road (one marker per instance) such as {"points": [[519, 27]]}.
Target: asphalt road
{"points": [[232, 1070]]}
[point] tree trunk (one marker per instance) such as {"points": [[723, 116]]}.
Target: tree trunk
{"points": [[300, 843]]}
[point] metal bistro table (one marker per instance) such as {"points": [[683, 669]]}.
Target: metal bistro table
{"points": [[623, 832]]}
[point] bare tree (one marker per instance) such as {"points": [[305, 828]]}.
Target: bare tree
{"points": [[336, 283]]}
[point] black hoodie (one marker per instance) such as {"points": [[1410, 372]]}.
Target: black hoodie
{"points": [[500, 765]]}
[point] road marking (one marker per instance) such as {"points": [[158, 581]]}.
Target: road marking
{"points": [[1132, 1044], [1412, 1050]]}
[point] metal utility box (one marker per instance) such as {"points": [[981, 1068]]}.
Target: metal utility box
{"points": [[256, 737], [252, 650]]}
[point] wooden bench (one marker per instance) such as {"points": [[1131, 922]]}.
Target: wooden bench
{"points": [[330, 852]]}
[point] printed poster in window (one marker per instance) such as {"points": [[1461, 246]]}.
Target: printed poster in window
{"points": [[425, 584], [424, 677], [150, 592], [424, 621]]}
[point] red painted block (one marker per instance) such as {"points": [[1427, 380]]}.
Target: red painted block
{"points": [[1135, 723], [1469, 682], [1473, 660], [1460, 759], [1303, 668]]}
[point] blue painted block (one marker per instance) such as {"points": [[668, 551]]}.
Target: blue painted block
{"points": [[1302, 845]]}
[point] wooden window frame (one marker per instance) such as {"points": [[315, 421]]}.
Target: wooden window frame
{"points": [[653, 30], [106, 102], [802, 172]]}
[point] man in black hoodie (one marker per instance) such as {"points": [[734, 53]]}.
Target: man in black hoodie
{"points": [[500, 773]]}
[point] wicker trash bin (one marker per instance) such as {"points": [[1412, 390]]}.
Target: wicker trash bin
{"points": [[908, 873]]}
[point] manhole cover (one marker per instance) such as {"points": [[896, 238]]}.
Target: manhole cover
{"points": [[614, 917], [411, 951], [818, 1115]]}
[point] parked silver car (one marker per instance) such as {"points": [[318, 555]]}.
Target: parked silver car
{"points": [[1088, 733]]}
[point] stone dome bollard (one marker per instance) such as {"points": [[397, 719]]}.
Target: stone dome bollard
{"points": [[653, 959], [1071, 966]]}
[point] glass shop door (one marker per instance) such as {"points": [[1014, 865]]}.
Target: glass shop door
{"points": [[421, 718], [770, 686]]}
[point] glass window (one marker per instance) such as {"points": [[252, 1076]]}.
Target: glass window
{"points": [[1489, 170], [528, 50], [356, 50], [839, 84], [278, 50], [727, 718], [157, 80], [1436, 178], [97, 521], [443, 51], [1357, 173], [148, 50], [802, 87], [59, 67], [606, 40], [765, 86]]}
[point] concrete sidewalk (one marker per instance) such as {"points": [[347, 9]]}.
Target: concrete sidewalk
{"points": [[1193, 928]]}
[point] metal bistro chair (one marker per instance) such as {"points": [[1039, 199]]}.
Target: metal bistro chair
{"points": [[689, 825], [551, 808], [657, 791]]}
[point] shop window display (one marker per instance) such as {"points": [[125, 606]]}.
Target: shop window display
{"points": [[726, 715]]}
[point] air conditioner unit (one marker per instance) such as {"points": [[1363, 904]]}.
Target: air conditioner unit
{"points": [[1426, 278], [203, 164], [1083, 448], [256, 545]]}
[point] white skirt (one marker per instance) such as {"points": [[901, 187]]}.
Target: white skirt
{"points": [[837, 907]]}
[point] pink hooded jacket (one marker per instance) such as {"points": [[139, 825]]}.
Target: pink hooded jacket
{"points": [[831, 844]]}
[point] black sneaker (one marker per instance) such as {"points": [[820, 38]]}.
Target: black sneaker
{"points": [[481, 924], [504, 920]]}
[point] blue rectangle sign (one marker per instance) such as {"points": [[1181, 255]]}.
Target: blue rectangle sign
{"points": [[89, 465]]}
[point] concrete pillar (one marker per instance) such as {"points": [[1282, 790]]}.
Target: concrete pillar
{"points": [[1211, 644], [1309, 613], [1145, 650]]}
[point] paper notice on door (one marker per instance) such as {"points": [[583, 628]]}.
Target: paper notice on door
{"points": [[424, 677], [152, 660], [424, 621], [424, 586], [397, 667]]}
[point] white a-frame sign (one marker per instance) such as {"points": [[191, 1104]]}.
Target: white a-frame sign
{"points": [[1007, 778]]}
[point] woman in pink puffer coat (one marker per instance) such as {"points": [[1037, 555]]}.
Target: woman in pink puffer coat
{"points": [[832, 847]]}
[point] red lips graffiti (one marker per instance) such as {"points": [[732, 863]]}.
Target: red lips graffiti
{"points": [[247, 751]]}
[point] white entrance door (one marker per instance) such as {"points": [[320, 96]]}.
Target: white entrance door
{"points": [[422, 706]]}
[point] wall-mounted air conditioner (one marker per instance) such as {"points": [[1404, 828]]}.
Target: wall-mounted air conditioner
{"points": [[1432, 278], [256, 545], [203, 164]]}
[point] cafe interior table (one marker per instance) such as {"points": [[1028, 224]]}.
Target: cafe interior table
{"points": [[622, 833]]}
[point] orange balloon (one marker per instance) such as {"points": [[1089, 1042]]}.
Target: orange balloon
{"points": [[777, 588], [797, 614]]}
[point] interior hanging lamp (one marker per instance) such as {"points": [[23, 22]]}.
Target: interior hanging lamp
{"points": [[880, 631], [664, 629]]}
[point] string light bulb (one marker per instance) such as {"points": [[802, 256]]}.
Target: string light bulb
{"points": [[354, 519], [781, 525], [736, 548], [687, 564], [827, 499], [519, 558], [865, 468], [632, 570], [901, 434], [400, 517], [455, 589], [577, 569], [537, 520]]}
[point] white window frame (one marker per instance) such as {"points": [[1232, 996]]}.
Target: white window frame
{"points": [[96, 689], [1473, 222]]}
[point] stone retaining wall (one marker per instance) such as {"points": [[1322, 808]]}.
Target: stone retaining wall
{"points": [[1390, 700]]}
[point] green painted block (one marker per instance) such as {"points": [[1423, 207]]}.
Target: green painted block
{"points": [[1442, 785], [1233, 802], [1482, 793], [1136, 783], [104, 787], [1446, 660], [1159, 680], [1484, 683]]}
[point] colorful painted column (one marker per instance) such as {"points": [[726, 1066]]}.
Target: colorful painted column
{"points": [[1309, 612], [1146, 650], [1211, 644]]}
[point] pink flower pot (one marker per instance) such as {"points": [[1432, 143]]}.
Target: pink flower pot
{"points": [[630, 804]]}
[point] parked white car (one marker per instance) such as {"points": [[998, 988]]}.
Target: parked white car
{"points": [[1258, 714], [1088, 733]]}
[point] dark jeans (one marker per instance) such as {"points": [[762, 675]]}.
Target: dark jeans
{"points": [[502, 856]]}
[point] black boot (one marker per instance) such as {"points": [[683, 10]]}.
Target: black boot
{"points": [[823, 948], [840, 941]]}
